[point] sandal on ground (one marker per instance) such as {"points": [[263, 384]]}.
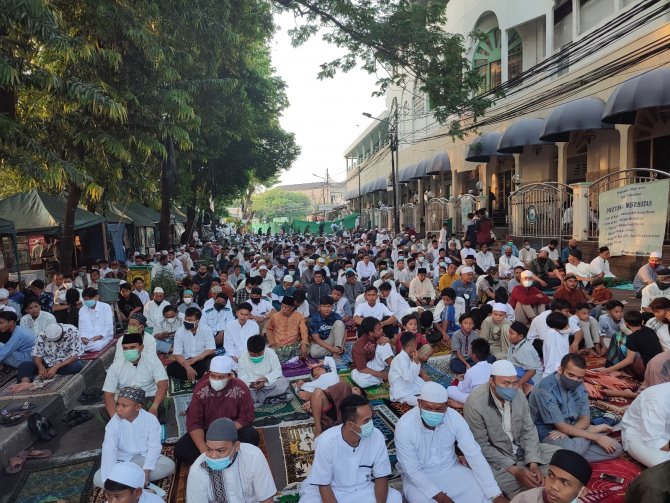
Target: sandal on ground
{"points": [[16, 463], [79, 417], [41, 427], [37, 453], [90, 396], [12, 418]]}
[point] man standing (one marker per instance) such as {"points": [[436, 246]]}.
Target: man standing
{"points": [[425, 439], [364, 475], [500, 421]]}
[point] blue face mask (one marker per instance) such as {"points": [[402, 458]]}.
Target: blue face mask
{"points": [[366, 429], [506, 394], [432, 418], [218, 464], [90, 303]]}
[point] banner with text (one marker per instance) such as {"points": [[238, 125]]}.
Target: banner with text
{"points": [[633, 218]]}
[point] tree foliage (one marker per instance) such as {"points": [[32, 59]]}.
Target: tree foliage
{"points": [[276, 203]]}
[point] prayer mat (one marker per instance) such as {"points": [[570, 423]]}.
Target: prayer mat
{"points": [[40, 388], [438, 376], [343, 363], [373, 393], [610, 492], [270, 414], [71, 481], [92, 355], [177, 492], [595, 362], [441, 348], [297, 443], [7, 375], [624, 286], [181, 403], [398, 408], [296, 367], [181, 387], [615, 405]]}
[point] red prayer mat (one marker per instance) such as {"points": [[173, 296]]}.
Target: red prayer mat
{"points": [[610, 492], [92, 355]]}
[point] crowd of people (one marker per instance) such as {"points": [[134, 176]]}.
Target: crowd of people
{"points": [[520, 326]]}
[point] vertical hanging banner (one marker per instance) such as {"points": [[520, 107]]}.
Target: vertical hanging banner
{"points": [[633, 218]]}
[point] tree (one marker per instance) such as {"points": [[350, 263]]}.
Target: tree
{"points": [[404, 40], [276, 203]]}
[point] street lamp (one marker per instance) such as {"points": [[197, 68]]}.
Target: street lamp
{"points": [[393, 137]]}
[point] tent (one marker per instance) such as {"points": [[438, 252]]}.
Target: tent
{"points": [[143, 221], [7, 229], [36, 212]]}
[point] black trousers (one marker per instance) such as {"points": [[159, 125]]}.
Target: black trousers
{"points": [[186, 451], [178, 372]]}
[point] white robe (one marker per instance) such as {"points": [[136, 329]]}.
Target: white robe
{"points": [[38, 325], [154, 312], [94, 322], [350, 481], [404, 379], [324, 380], [378, 363]]}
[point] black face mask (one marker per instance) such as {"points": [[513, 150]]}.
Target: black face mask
{"points": [[158, 302], [203, 274], [542, 260], [662, 285], [218, 307], [255, 301]]}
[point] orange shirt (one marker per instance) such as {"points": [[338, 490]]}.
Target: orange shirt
{"points": [[284, 331]]}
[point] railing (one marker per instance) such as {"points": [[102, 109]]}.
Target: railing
{"points": [[366, 219], [437, 211], [617, 180], [467, 203], [408, 214], [541, 210], [386, 218]]}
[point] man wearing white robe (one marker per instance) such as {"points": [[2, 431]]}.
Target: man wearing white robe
{"points": [[153, 310], [425, 445], [236, 333], [351, 462], [405, 375], [96, 322], [36, 320]]}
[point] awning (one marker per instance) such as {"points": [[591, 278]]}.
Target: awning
{"points": [[522, 133], [439, 163], [351, 194], [649, 90], [7, 227], [134, 213], [421, 169], [406, 173], [378, 184], [484, 147], [579, 115]]}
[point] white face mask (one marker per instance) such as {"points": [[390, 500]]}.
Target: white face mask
{"points": [[188, 300], [218, 384], [527, 283]]}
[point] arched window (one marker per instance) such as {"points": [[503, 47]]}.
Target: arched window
{"points": [[514, 54], [486, 60]]}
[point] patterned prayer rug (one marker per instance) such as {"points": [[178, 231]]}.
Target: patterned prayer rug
{"points": [[180, 387], [603, 491], [40, 388], [298, 450], [7, 375], [296, 368], [270, 414], [97, 495], [385, 420], [437, 375], [617, 406], [373, 392], [92, 355], [442, 348], [71, 481], [398, 408], [181, 403]]}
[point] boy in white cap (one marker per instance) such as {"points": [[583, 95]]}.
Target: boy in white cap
{"points": [[495, 330], [229, 470], [425, 440], [125, 484], [500, 421], [133, 434]]}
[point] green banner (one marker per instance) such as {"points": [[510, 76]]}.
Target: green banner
{"points": [[348, 222]]}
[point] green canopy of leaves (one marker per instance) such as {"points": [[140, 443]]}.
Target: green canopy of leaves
{"points": [[276, 203]]}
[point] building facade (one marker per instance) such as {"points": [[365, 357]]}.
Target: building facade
{"points": [[583, 102]]}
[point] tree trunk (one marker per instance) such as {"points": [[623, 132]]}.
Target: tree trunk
{"points": [[191, 205], [168, 167], [67, 242]]}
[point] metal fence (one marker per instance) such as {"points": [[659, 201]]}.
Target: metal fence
{"points": [[366, 219], [541, 210], [437, 211], [617, 180], [467, 203], [408, 214]]}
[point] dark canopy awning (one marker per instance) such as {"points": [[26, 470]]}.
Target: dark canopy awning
{"points": [[578, 115], [7, 227], [484, 147], [406, 173], [421, 170], [439, 163], [649, 90], [378, 184], [522, 133]]}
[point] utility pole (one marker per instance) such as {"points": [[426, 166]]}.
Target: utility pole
{"points": [[394, 165]]}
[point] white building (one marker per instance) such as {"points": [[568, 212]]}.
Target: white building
{"points": [[565, 66]]}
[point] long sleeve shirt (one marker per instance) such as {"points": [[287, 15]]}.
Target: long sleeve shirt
{"points": [[124, 440], [286, 330], [18, 348], [235, 336], [270, 368], [234, 401], [424, 454], [97, 321], [421, 289]]}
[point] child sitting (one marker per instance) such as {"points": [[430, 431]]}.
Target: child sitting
{"points": [[445, 314], [133, 434], [460, 344], [405, 375], [259, 368], [411, 324], [589, 326], [600, 296], [611, 323], [523, 356], [477, 374]]}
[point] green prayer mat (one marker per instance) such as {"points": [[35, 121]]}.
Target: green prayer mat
{"points": [[181, 387], [378, 392], [269, 414]]}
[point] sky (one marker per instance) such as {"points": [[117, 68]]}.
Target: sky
{"points": [[326, 116]]}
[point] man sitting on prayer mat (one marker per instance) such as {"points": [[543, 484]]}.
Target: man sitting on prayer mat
{"points": [[371, 354], [351, 462], [193, 348], [133, 434], [425, 439], [229, 470], [96, 321], [259, 368], [500, 421], [136, 325], [566, 480], [651, 486], [125, 483], [287, 332], [218, 394]]}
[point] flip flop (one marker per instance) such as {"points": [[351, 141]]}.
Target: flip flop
{"points": [[81, 417], [12, 419], [16, 463], [37, 453], [41, 427], [90, 396]]}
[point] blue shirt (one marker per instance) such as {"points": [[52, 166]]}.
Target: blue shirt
{"points": [[18, 348], [319, 325], [550, 404], [462, 290]]}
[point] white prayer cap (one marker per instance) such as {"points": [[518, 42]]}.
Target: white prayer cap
{"points": [[527, 274], [4, 293], [53, 332], [466, 270], [433, 392], [499, 306], [655, 255], [127, 473], [137, 254], [164, 253], [221, 364], [8, 308], [288, 279], [503, 368], [261, 261], [158, 289], [321, 260], [263, 268], [291, 260]]}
